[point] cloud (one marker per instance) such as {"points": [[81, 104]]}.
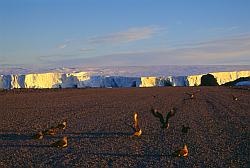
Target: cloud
{"points": [[62, 46], [239, 42], [65, 44], [86, 50], [130, 35], [220, 29], [66, 55], [227, 50], [58, 57]]}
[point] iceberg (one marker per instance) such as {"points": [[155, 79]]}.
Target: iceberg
{"points": [[120, 81], [84, 79], [46, 80], [149, 81], [178, 80], [5, 81], [221, 77]]}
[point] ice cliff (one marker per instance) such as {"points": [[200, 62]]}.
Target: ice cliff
{"points": [[83, 80], [222, 77]]}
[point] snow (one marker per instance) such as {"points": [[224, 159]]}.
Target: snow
{"points": [[84, 79]]}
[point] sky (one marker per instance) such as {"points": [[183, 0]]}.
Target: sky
{"points": [[124, 32]]}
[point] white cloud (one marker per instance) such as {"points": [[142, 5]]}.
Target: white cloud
{"points": [[219, 29], [62, 46], [86, 50], [132, 34], [65, 44], [228, 50]]}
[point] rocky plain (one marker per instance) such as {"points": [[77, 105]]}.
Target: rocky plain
{"points": [[99, 127]]}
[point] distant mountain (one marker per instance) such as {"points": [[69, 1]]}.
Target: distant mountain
{"points": [[131, 71]]}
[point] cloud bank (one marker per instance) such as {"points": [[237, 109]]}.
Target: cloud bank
{"points": [[130, 35], [229, 50]]}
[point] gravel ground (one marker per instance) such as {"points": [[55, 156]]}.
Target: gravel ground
{"points": [[99, 132]]}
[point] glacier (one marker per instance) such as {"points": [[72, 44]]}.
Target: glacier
{"points": [[222, 77], [85, 80]]}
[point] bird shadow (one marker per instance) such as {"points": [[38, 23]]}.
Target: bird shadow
{"points": [[99, 134], [186, 99], [15, 137], [23, 146], [110, 163], [133, 155], [20, 137]]}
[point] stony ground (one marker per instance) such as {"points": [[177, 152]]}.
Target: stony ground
{"points": [[99, 129]]}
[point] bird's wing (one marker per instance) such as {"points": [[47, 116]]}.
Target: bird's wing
{"points": [[236, 97], [158, 115], [170, 114], [176, 153], [153, 111], [59, 143], [56, 144]]}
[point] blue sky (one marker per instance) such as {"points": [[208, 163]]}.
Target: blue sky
{"points": [[124, 32]]}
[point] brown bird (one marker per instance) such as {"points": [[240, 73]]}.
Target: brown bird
{"points": [[171, 113], [185, 129], [137, 129], [191, 95], [62, 143], [235, 98], [138, 133], [39, 135], [181, 152], [165, 123], [51, 131], [62, 125]]}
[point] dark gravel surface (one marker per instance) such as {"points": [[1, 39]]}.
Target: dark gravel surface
{"points": [[99, 134]]}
